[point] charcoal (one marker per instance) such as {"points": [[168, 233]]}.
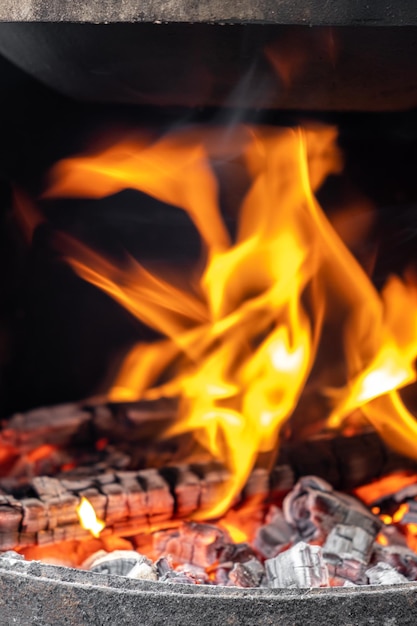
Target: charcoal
{"points": [[9, 539], [117, 507], [121, 563], [143, 570], [214, 484], [236, 553], [56, 535], [194, 543], [62, 510], [348, 542], [342, 569], [274, 536], [248, 574], [76, 484], [11, 514], [35, 515], [174, 577], [257, 570], [300, 566], [196, 574], [186, 486], [163, 566], [221, 576], [159, 501], [167, 574], [135, 494], [48, 488], [384, 574], [314, 509], [401, 558]]}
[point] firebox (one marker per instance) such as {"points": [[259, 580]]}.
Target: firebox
{"points": [[209, 318]]}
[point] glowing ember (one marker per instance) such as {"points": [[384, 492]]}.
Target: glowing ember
{"points": [[384, 487], [239, 344], [88, 518]]}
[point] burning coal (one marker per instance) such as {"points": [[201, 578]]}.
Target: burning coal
{"points": [[240, 342]]}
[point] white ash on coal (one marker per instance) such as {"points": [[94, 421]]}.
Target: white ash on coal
{"points": [[350, 542], [401, 558], [167, 574], [300, 566], [314, 508], [122, 563], [275, 535], [197, 544], [251, 573], [384, 574], [319, 537]]}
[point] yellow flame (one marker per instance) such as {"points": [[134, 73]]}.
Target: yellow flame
{"points": [[240, 346], [88, 518]]}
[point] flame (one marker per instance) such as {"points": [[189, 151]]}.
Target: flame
{"points": [[240, 343], [88, 518]]}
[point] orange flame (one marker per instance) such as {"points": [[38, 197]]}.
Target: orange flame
{"points": [[88, 518], [242, 343]]}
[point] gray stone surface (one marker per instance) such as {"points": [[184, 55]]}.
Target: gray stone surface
{"points": [[33, 593], [399, 12]]}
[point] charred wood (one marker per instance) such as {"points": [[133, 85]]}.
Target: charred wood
{"points": [[300, 566], [313, 508], [346, 462], [194, 543], [348, 542], [248, 574], [401, 558], [275, 535], [384, 574]]}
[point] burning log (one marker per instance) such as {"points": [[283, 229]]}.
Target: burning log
{"points": [[76, 429], [300, 566]]}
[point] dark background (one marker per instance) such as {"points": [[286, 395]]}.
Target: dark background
{"points": [[62, 339]]}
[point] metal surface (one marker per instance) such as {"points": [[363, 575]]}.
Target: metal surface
{"points": [[45, 595], [193, 65], [378, 12]]}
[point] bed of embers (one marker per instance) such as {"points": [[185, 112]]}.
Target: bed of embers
{"points": [[285, 530]]}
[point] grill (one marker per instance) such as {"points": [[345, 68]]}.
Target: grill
{"points": [[73, 68]]}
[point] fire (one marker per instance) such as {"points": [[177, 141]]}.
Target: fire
{"points": [[384, 488], [88, 518], [239, 344]]}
